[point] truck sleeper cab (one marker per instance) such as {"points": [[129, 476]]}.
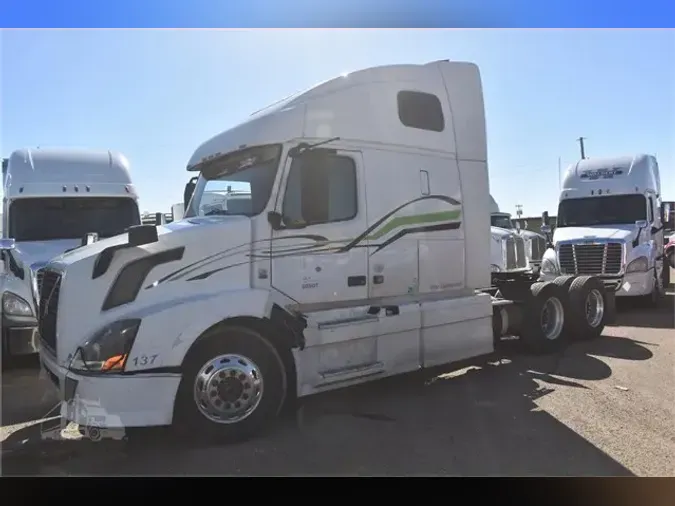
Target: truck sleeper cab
{"points": [[55, 200], [610, 225], [324, 279]]}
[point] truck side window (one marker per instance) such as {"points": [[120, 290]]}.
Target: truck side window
{"points": [[321, 190], [420, 110]]}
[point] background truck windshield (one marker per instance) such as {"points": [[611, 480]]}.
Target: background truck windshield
{"points": [[501, 221], [236, 184], [42, 219], [612, 210]]}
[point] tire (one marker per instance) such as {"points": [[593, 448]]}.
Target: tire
{"points": [[564, 282], [588, 322], [539, 332], [234, 385], [93, 434]]}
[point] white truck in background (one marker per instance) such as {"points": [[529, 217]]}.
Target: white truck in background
{"points": [[55, 200], [610, 224], [329, 278], [534, 244]]}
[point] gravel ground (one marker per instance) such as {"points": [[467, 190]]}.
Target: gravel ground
{"points": [[604, 407]]}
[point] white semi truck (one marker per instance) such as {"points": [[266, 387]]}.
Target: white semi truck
{"points": [[534, 244], [610, 224], [363, 254], [54, 200]]}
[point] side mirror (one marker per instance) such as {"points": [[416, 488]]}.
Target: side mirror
{"points": [[276, 220], [545, 229], [142, 234], [545, 219], [641, 223], [665, 213], [189, 190], [518, 226]]}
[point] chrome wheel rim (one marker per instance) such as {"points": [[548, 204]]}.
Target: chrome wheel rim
{"points": [[552, 318], [595, 308], [228, 388]]}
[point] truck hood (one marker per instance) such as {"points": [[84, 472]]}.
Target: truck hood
{"points": [[214, 255], [528, 234], [601, 232], [40, 252], [500, 233]]}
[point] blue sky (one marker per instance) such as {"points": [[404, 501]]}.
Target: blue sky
{"points": [[156, 95]]}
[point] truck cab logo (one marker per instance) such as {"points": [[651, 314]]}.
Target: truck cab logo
{"points": [[595, 174]]}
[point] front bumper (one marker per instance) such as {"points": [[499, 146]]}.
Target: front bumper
{"points": [[612, 283], [113, 401]]}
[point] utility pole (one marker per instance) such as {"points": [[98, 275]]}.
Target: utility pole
{"points": [[581, 147], [519, 210]]}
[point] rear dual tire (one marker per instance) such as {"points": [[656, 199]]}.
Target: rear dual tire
{"points": [[566, 308], [544, 318], [590, 307]]}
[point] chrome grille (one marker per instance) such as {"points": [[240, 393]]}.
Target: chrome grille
{"points": [[49, 288], [538, 248], [514, 253], [590, 258], [510, 244], [521, 257], [38, 277]]}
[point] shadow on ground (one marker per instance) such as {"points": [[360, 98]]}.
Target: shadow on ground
{"points": [[480, 421], [631, 313]]}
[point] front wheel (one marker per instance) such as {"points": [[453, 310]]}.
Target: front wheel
{"points": [[234, 384]]}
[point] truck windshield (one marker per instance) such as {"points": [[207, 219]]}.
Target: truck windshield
{"points": [[501, 221], [612, 210], [43, 219], [236, 184]]}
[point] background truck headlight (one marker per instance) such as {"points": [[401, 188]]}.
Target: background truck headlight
{"points": [[640, 264], [14, 305], [108, 349], [548, 267], [494, 268]]}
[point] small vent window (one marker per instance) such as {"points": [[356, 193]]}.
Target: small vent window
{"points": [[420, 110]]}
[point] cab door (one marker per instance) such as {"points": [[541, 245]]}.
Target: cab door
{"points": [[320, 211]]}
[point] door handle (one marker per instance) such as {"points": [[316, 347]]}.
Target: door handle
{"points": [[356, 281], [378, 279]]}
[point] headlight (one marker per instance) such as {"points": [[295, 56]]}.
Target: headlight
{"points": [[14, 305], [494, 268], [640, 264], [108, 349], [548, 267]]}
